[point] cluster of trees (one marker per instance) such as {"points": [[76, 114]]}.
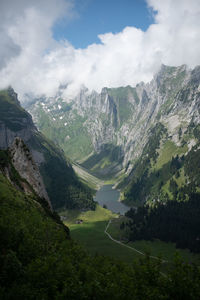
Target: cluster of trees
{"points": [[173, 221]]}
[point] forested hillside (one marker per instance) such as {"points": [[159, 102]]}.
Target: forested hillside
{"points": [[166, 183], [173, 221], [165, 171]]}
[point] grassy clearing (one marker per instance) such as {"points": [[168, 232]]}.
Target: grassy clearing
{"points": [[166, 190], [167, 152], [181, 179], [165, 250], [155, 248], [91, 233], [100, 214]]}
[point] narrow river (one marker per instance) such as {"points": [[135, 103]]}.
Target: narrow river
{"points": [[110, 197]]}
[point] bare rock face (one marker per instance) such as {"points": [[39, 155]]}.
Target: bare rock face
{"points": [[23, 162]]}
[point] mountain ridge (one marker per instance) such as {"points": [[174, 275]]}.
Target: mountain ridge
{"points": [[113, 128]]}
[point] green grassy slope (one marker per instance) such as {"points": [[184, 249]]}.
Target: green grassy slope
{"points": [[67, 132], [93, 182]]}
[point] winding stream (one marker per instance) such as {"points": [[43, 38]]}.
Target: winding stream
{"points": [[110, 197]]}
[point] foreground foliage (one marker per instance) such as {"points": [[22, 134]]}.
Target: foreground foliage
{"points": [[38, 260]]}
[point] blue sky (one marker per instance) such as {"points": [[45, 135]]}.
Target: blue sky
{"points": [[94, 17], [35, 57]]}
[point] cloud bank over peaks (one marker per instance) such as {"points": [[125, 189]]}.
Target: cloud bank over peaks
{"points": [[33, 62]]}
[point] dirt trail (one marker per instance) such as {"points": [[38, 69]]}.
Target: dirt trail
{"points": [[122, 244]]}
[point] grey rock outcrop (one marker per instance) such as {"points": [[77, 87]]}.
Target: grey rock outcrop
{"points": [[23, 162]]}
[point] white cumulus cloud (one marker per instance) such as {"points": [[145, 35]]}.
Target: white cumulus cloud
{"points": [[33, 62]]}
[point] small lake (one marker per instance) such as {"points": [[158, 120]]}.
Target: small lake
{"points": [[109, 197]]}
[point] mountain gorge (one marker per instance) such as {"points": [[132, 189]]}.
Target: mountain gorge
{"points": [[99, 150], [62, 185], [144, 137]]}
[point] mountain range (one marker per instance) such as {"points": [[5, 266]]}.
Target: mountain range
{"points": [[146, 138]]}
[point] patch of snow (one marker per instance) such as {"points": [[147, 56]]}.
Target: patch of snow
{"points": [[59, 106], [61, 117]]}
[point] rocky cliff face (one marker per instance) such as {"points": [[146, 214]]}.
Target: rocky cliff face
{"points": [[121, 117], [23, 162]]}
